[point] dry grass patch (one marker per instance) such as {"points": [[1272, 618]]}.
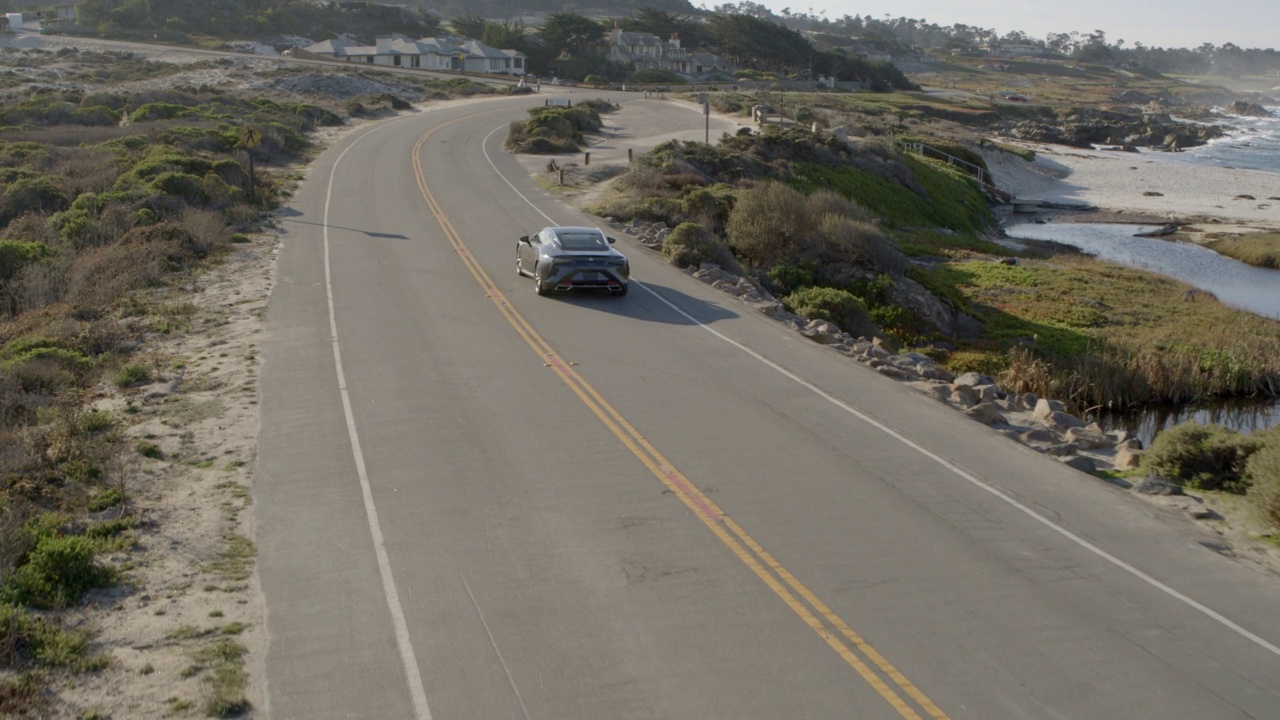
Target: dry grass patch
{"points": [[1260, 249], [1095, 334]]}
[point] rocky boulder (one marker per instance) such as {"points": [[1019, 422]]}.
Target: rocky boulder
{"points": [[1156, 485], [987, 414], [1247, 109], [950, 322], [1089, 438]]}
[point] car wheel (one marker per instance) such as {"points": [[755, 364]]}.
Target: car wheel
{"points": [[622, 290], [519, 266], [538, 285]]}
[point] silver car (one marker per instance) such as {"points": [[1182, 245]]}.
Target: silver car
{"points": [[564, 258]]}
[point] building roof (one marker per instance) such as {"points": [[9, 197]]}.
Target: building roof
{"points": [[424, 46]]}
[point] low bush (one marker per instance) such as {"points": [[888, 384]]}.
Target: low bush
{"points": [[861, 243], [769, 224], [1263, 473], [691, 244], [29, 640], [130, 375], [834, 305], [57, 572], [788, 278], [1203, 457]]}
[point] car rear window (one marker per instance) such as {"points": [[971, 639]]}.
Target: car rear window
{"points": [[582, 241]]}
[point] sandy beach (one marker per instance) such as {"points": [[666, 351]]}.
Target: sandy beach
{"points": [[1145, 186]]}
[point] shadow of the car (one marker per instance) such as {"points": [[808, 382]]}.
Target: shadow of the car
{"points": [[640, 304]]}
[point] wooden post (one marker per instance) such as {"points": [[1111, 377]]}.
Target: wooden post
{"points": [[587, 160], [561, 176], [629, 152]]}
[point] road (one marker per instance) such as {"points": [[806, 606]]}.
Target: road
{"points": [[476, 503]]}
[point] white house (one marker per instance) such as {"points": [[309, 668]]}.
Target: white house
{"points": [[426, 54]]}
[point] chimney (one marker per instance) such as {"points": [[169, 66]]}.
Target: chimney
{"points": [[384, 44], [675, 39]]}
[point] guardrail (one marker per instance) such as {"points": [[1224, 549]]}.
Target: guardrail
{"points": [[977, 171]]}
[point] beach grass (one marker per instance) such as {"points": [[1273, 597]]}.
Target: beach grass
{"points": [[1260, 249], [1096, 334]]}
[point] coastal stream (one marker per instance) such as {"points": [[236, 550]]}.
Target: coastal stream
{"points": [[1234, 283]]}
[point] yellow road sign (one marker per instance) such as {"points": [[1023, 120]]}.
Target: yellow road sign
{"points": [[250, 136]]}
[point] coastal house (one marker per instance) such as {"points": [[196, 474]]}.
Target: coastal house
{"points": [[456, 54], [1016, 50], [867, 54], [646, 51]]}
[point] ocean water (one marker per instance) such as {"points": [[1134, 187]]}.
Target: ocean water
{"points": [[1253, 143]]}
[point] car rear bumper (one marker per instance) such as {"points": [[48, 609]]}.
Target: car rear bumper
{"points": [[592, 277]]}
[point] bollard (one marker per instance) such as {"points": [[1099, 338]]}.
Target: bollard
{"points": [[587, 161], [561, 176], [629, 151]]}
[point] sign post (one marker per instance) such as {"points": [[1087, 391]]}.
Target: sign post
{"points": [[249, 137], [706, 119]]}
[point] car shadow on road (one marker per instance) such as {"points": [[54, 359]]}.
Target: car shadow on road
{"points": [[284, 216], [640, 304]]}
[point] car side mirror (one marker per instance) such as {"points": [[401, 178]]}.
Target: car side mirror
{"points": [[524, 238], [611, 240]]}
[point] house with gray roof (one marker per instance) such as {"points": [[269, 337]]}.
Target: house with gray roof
{"points": [[646, 51], [457, 54]]}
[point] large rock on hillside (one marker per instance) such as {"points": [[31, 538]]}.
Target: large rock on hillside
{"points": [[950, 322]]}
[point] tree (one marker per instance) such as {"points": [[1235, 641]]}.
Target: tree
{"points": [[692, 33], [512, 35], [759, 44], [469, 26], [569, 33]]}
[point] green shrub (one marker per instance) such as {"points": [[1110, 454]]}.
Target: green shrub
{"points": [[57, 573], [161, 111], [834, 305], [768, 225], [1204, 457], [691, 244], [96, 421], [1263, 473], [40, 195], [859, 242], [788, 278], [131, 374], [16, 254], [105, 499], [656, 75], [149, 449], [96, 115], [708, 206], [33, 640]]}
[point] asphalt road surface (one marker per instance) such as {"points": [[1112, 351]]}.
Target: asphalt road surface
{"points": [[473, 502]]}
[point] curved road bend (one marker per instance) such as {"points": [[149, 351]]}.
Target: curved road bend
{"points": [[665, 505]]}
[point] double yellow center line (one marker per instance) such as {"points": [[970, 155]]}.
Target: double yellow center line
{"points": [[851, 647]]}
